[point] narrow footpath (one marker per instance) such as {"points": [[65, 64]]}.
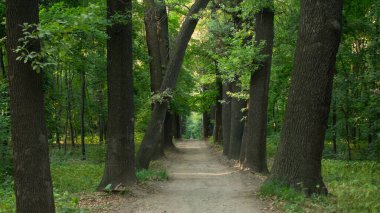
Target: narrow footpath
{"points": [[199, 183]]}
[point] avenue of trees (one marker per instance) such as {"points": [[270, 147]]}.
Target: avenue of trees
{"points": [[134, 76]]}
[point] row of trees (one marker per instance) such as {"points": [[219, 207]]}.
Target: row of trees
{"points": [[58, 51], [298, 102], [28, 64]]}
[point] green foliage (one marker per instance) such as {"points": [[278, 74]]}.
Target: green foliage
{"points": [[193, 128]]}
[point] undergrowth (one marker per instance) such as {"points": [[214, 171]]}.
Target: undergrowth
{"points": [[354, 186], [72, 176]]}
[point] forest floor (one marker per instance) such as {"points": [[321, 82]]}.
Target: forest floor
{"points": [[200, 180]]}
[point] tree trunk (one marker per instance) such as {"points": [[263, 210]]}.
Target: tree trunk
{"points": [[255, 131], [32, 179], [70, 112], [83, 99], [168, 132], [120, 161], [177, 124], [237, 125], [206, 125], [298, 162], [156, 122], [2, 67], [218, 133], [226, 118]]}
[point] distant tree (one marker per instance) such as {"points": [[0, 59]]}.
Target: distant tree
{"points": [[120, 161], [33, 185], [298, 162]]}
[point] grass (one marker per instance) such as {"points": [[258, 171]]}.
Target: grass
{"points": [[354, 186], [72, 176]]}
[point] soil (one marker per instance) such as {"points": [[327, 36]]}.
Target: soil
{"points": [[201, 181]]}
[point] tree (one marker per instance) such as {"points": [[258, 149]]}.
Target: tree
{"points": [[120, 161], [254, 138], [226, 118], [157, 37], [33, 186], [161, 105], [298, 162]]}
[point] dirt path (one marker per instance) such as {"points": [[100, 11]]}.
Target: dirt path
{"points": [[199, 182]]}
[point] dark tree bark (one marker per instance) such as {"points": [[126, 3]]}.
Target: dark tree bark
{"points": [[298, 162], [177, 124], [254, 139], [157, 36], [32, 179], [2, 67], [218, 133], [168, 131], [226, 118], [236, 125], [153, 45], [206, 125], [120, 162], [177, 54], [82, 111]]}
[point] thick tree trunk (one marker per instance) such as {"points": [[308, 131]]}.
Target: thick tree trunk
{"points": [[83, 99], [226, 118], [254, 138], [32, 179], [298, 162], [218, 130], [157, 37], [156, 123], [153, 45], [237, 125], [120, 161]]}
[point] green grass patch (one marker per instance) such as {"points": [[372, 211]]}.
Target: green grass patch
{"points": [[144, 175], [72, 176], [353, 187]]}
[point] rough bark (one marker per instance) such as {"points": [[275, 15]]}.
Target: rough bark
{"points": [[298, 162], [177, 54], [120, 161], [236, 125], [254, 139], [157, 37], [226, 118], [32, 179]]}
